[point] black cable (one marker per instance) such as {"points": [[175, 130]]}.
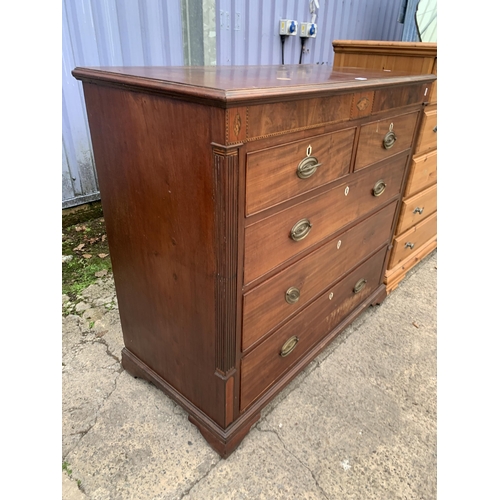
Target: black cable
{"points": [[302, 43], [283, 49]]}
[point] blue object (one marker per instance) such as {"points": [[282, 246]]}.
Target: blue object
{"points": [[293, 26], [312, 30]]}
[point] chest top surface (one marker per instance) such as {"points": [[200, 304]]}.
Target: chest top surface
{"points": [[226, 85]]}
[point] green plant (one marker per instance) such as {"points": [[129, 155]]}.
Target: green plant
{"points": [[65, 467], [88, 247], [79, 273]]}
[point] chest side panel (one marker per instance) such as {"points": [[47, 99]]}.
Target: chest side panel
{"points": [[155, 169]]}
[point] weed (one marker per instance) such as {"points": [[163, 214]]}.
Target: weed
{"points": [[65, 467], [79, 272]]}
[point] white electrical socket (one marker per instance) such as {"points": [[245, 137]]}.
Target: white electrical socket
{"points": [[288, 27], [308, 30]]}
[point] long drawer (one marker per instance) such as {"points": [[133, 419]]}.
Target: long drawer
{"points": [[395, 132], [274, 240], [281, 296], [271, 359], [423, 173], [417, 208], [410, 241], [279, 173]]}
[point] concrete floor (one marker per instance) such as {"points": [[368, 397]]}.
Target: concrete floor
{"points": [[358, 423]]}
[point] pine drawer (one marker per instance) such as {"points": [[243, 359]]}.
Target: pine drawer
{"points": [[417, 208], [410, 241], [427, 139], [423, 173]]}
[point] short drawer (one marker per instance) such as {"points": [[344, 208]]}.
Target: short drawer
{"points": [[270, 360], [281, 296], [383, 138], [417, 208], [275, 239], [411, 240], [427, 138], [423, 173], [279, 173]]}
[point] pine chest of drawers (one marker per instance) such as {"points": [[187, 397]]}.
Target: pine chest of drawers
{"points": [[249, 213], [416, 231]]}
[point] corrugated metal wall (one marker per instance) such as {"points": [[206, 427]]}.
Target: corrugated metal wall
{"points": [[248, 30], [410, 32], [150, 32], [107, 33]]}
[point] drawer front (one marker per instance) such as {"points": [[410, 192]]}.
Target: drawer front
{"points": [[374, 135], [396, 97], [423, 173], [279, 173], [427, 139], [268, 243], [417, 208], [265, 120], [268, 304], [265, 364], [410, 241]]}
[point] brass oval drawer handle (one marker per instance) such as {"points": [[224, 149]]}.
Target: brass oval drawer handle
{"points": [[300, 230], [307, 167], [389, 139], [289, 346], [409, 245], [292, 295], [418, 210], [359, 286], [379, 188]]}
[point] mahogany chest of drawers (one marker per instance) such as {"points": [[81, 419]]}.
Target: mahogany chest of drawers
{"points": [[249, 213], [416, 231]]}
